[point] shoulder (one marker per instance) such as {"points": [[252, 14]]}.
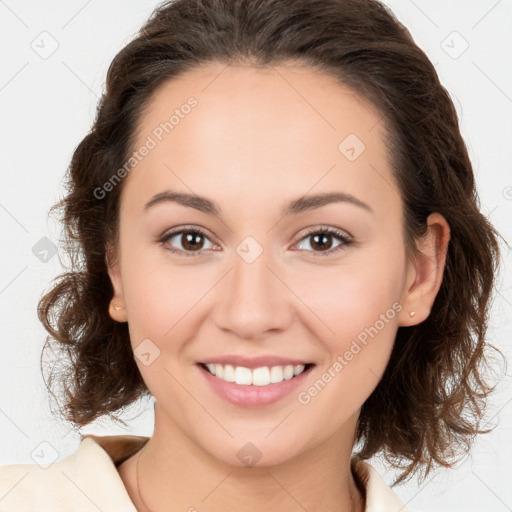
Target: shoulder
{"points": [[87, 479], [379, 496]]}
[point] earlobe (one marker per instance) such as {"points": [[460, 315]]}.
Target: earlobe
{"points": [[425, 274], [117, 309], [117, 312]]}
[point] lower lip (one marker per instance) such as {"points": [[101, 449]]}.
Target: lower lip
{"points": [[253, 396]]}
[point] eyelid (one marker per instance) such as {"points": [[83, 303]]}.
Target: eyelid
{"points": [[324, 228]]}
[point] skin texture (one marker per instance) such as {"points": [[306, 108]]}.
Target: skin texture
{"points": [[257, 139]]}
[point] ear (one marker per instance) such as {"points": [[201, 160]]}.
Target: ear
{"points": [[112, 262], [425, 274]]}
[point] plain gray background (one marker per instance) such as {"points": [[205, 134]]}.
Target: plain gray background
{"points": [[54, 60]]}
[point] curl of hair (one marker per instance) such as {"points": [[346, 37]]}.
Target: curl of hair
{"points": [[429, 403]]}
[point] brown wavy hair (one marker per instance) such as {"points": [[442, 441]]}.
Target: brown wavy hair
{"points": [[431, 399]]}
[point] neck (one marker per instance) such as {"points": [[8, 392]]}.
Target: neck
{"points": [[172, 469]]}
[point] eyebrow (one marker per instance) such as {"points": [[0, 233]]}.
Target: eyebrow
{"points": [[299, 205]]}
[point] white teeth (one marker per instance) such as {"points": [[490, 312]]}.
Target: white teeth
{"points": [[288, 372], [258, 377], [276, 374], [229, 373], [298, 369], [219, 371], [261, 376], [243, 375]]}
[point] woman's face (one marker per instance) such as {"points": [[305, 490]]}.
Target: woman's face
{"points": [[262, 281]]}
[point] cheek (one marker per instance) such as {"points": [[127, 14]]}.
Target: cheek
{"points": [[359, 321], [158, 291], [349, 299], [356, 319]]}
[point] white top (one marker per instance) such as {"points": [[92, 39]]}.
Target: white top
{"points": [[88, 481]]}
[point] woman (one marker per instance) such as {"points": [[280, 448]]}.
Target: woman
{"points": [[277, 236]]}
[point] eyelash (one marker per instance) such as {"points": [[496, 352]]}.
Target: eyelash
{"points": [[346, 241]]}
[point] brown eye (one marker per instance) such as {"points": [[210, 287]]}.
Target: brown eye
{"points": [[321, 241], [189, 242]]}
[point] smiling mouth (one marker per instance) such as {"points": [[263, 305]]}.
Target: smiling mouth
{"points": [[262, 376]]}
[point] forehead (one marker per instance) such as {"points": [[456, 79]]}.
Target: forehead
{"points": [[260, 132]]}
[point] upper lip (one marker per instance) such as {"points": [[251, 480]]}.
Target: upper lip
{"points": [[254, 362]]}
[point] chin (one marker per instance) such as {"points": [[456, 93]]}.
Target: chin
{"points": [[254, 452]]}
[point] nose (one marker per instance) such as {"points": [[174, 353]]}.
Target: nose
{"points": [[253, 299]]}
